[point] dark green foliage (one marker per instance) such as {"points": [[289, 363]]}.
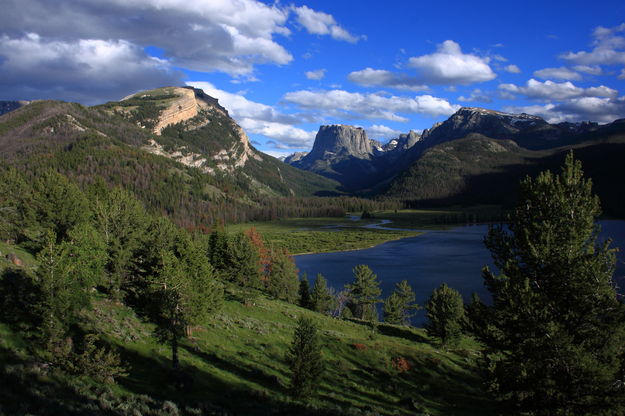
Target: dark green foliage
{"points": [[304, 293], [244, 260], [59, 206], [399, 306], [282, 281], [305, 360], [445, 315], [219, 251], [97, 362], [554, 336], [364, 292], [122, 222], [321, 299]]}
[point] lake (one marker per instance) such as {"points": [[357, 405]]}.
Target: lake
{"points": [[455, 257]]}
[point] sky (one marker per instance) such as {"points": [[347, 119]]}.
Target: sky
{"points": [[283, 68]]}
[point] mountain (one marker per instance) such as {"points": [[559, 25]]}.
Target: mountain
{"points": [[346, 154], [482, 170], [176, 149], [347, 158]]}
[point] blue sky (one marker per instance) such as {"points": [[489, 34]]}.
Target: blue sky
{"points": [[284, 68]]}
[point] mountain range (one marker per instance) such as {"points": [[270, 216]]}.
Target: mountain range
{"points": [[475, 156], [179, 151]]}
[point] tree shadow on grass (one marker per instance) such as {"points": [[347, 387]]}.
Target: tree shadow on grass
{"points": [[403, 332]]}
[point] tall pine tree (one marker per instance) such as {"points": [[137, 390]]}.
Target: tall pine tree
{"points": [[305, 360], [364, 291], [555, 334]]}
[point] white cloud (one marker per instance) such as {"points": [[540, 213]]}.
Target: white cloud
{"points": [[589, 69], [316, 75], [448, 65], [609, 48], [380, 131], [513, 69], [88, 70], [319, 23], [228, 36], [622, 74], [550, 90], [370, 77], [346, 104], [476, 95], [558, 73], [259, 118], [602, 110]]}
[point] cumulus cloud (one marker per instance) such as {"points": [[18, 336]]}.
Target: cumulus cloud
{"points": [[476, 95], [589, 69], [608, 48], [370, 77], [88, 70], [550, 90], [260, 118], [558, 73], [513, 69], [229, 36], [319, 23], [316, 75], [353, 105], [448, 65], [602, 110], [380, 131]]}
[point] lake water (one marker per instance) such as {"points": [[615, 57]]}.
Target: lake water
{"points": [[455, 257]]}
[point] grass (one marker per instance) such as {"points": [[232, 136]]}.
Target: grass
{"points": [[320, 235], [237, 365], [25, 256]]}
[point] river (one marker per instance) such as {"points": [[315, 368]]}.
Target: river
{"points": [[455, 257]]}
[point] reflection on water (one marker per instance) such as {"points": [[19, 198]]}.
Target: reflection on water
{"points": [[455, 257]]}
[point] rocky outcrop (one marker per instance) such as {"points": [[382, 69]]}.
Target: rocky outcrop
{"points": [[192, 109], [294, 157], [338, 141]]}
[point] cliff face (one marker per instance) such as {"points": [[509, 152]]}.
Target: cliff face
{"points": [[207, 138], [339, 141]]}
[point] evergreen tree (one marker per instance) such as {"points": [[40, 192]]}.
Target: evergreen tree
{"points": [[66, 273], [364, 291], [243, 262], [399, 305], [122, 221], [555, 333], [445, 315], [321, 299], [305, 360], [282, 282], [304, 292], [219, 251]]}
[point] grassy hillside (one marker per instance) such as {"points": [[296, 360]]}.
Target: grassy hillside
{"points": [[235, 364]]}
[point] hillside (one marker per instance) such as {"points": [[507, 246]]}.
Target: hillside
{"points": [[199, 170], [235, 364], [479, 169]]}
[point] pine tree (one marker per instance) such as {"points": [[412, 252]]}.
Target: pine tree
{"points": [[364, 291], [282, 282], [321, 299], [399, 305], [304, 292], [305, 360], [244, 260], [555, 333], [445, 315]]}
